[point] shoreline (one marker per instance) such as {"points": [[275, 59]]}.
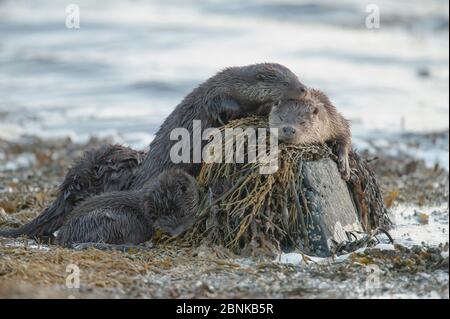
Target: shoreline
{"points": [[408, 270]]}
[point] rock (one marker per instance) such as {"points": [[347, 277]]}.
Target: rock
{"points": [[422, 218], [331, 211]]}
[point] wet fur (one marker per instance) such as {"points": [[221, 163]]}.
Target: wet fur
{"points": [[327, 126], [106, 169], [232, 93], [168, 202]]}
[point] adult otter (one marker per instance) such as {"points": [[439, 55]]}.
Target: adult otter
{"points": [[232, 93], [167, 202], [313, 119]]}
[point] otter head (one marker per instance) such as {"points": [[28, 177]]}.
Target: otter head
{"points": [[300, 121], [249, 90], [265, 82], [172, 201]]}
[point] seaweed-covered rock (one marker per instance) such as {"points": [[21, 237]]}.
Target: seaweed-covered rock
{"points": [[304, 205]]}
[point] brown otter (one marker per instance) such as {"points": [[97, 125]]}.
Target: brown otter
{"points": [[106, 169], [167, 202], [313, 119], [232, 93]]}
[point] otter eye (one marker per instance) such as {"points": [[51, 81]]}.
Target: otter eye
{"points": [[183, 189], [316, 111], [286, 84]]}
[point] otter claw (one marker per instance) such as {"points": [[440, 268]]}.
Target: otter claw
{"points": [[345, 174], [344, 168]]}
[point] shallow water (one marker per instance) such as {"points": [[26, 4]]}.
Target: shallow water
{"points": [[131, 62]]}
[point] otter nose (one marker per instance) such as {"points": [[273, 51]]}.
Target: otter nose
{"points": [[288, 131]]}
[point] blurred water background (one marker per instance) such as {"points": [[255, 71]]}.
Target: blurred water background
{"points": [[131, 62]]}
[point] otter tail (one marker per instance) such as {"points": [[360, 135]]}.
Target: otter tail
{"points": [[45, 224]]}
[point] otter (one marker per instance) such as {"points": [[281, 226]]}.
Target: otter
{"points": [[105, 169], [167, 202], [232, 93], [313, 119]]}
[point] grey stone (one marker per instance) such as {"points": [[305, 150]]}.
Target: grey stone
{"points": [[331, 210]]}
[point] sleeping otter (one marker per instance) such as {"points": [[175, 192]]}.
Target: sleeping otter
{"points": [[167, 202], [235, 92], [313, 119], [232, 93]]}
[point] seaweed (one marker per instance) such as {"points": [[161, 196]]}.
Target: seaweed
{"points": [[250, 213]]}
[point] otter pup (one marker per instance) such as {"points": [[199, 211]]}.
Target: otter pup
{"points": [[105, 169], [313, 119], [232, 93], [167, 202]]}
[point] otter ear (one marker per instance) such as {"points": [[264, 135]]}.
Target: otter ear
{"points": [[222, 108], [315, 111]]}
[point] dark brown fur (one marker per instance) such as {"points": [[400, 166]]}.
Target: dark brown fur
{"points": [[313, 119], [106, 169], [232, 93], [168, 202]]}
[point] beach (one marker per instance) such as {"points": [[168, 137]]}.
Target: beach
{"points": [[117, 77]]}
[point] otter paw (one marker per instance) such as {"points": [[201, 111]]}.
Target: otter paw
{"points": [[344, 168], [345, 175]]}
